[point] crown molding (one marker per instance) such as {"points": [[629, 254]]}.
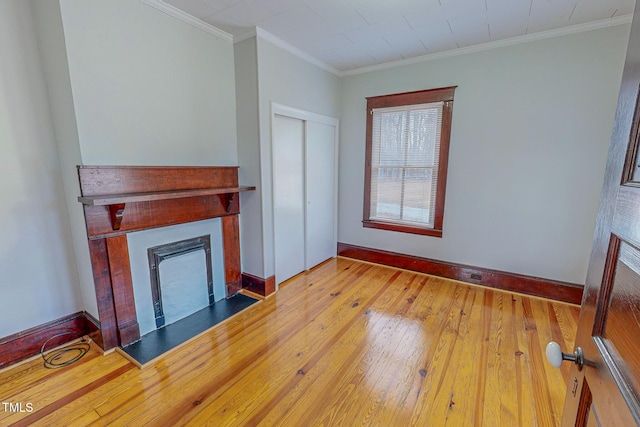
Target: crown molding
{"points": [[297, 52], [573, 29], [244, 36], [189, 19], [198, 23], [259, 32]]}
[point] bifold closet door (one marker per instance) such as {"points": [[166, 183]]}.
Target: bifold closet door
{"points": [[320, 168], [288, 196]]}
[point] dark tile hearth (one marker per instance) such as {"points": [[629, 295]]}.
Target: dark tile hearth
{"points": [[164, 339]]}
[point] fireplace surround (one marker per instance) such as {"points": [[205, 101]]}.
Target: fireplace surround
{"points": [[121, 199]]}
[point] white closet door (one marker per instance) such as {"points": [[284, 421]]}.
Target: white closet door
{"points": [[320, 194], [288, 196]]}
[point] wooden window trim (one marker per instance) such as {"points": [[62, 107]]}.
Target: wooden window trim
{"points": [[411, 98]]}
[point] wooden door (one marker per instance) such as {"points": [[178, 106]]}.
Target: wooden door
{"points": [[606, 390]]}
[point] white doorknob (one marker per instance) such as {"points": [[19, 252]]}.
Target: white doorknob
{"points": [[555, 356]]}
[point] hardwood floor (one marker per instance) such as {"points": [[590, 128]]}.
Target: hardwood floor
{"points": [[347, 343]]}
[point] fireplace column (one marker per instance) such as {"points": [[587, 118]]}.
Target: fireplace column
{"points": [[114, 290]]}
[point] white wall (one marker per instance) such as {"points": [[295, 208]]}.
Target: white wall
{"points": [[286, 79], [148, 89], [54, 58], [37, 263], [531, 128], [247, 111], [131, 85]]}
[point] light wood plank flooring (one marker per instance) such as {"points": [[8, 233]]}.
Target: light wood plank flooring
{"points": [[348, 343]]}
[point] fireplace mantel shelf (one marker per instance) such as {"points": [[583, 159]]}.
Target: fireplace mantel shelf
{"points": [[117, 202], [115, 199]]}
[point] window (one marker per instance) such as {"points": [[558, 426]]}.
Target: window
{"points": [[406, 160]]}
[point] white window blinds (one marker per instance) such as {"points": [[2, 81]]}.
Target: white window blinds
{"points": [[404, 163]]}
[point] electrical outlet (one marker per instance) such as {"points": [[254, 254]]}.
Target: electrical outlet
{"points": [[476, 276]]}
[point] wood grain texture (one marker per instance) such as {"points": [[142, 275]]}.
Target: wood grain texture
{"points": [[122, 287], [111, 199], [626, 220], [536, 286], [379, 225], [22, 345], [115, 214], [231, 248], [263, 287], [143, 198], [621, 328], [109, 180], [94, 329], [119, 199], [348, 343], [104, 294], [153, 214], [270, 285]]}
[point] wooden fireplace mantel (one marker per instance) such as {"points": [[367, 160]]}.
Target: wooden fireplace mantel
{"points": [[121, 199], [116, 203]]}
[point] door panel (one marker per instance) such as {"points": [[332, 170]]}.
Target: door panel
{"points": [[321, 169], [609, 324], [621, 327], [288, 196], [588, 417], [626, 221]]}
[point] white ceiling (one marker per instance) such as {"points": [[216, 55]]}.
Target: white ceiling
{"points": [[350, 34]]}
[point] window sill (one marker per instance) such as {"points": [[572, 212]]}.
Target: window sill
{"points": [[402, 228]]}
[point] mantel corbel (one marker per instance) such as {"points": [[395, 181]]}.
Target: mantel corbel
{"points": [[115, 213]]}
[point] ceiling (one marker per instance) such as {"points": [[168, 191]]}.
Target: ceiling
{"points": [[351, 34]]}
